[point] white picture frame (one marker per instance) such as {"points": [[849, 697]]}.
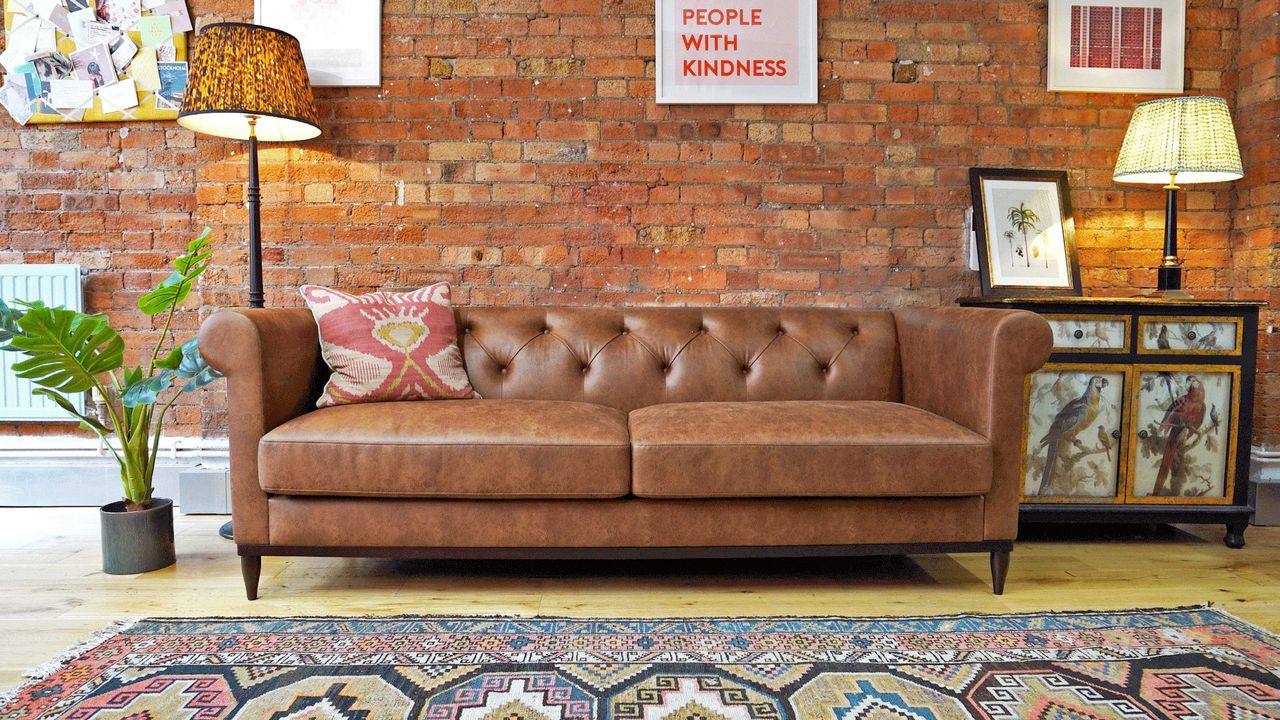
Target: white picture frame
{"points": [[341, 39], [1153, 63], [766, 54]]}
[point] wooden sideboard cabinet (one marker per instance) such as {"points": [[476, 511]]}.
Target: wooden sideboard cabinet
{"points": [[1142, 414]]}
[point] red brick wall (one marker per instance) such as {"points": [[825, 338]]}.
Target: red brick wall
{"points": [[514, 149], [1256, 236]]}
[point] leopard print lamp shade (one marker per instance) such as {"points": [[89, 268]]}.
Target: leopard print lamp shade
{"points": [[239, 71]]}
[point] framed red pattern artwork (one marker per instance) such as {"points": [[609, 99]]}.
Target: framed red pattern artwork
{"points": [[1117, 46]]}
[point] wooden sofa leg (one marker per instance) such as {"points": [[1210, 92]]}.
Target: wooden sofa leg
{"points": [[999, 570], [251, 569]]}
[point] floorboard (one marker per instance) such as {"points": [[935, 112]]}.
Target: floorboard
{"points": [[54, 594]]}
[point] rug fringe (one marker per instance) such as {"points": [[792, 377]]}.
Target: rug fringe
{"points": [[42, 672], [1256, 628]]}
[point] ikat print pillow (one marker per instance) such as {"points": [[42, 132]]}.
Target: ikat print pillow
{"points": [[387, 346]]}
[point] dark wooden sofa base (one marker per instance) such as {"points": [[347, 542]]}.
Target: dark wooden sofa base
{"points": [[251, 555]]}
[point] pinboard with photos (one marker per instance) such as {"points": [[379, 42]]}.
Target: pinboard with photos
{"points": [[94, 60]]}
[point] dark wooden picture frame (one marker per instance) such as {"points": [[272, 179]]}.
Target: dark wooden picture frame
{"points": [[1055, 238]]}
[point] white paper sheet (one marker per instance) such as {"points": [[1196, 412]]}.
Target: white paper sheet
{"points": [[79, 20], [69, 94], [121, 96], [122, 52]]}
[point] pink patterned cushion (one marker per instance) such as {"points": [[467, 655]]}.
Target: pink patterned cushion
{"points": [[388, 346]]}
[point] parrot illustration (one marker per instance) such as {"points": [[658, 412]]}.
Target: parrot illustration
{"points": [[1070, 421], [1186, 413]]}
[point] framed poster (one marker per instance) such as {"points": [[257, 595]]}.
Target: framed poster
{"points": [[1026, 237], [1117, 46], [341, 39], [737, 51]]}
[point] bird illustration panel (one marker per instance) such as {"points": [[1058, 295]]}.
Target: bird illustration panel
{"points": [[1190, 335], [1074, 433], [1094, 333], [1184, 434]]}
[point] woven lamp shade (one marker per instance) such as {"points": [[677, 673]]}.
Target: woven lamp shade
{"points": [[1191, 136], [240, 70]]}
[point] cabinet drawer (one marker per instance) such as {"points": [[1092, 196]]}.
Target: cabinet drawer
{"points": [[1186, 335], [1090, 333]]}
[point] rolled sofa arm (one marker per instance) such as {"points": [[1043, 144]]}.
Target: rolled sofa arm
{"points": [[969, 365], [272, 362]]}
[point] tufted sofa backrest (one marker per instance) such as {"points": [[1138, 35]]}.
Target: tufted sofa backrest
{"points": [[632, 357]]}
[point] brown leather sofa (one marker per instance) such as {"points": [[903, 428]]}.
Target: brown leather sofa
{"points": [[641, 432]]}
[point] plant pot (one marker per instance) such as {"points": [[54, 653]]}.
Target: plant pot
{"points": [[137, 542]]}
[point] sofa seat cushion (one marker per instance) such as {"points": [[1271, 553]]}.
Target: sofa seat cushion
{"points": [[803, 449], [479, 449]]}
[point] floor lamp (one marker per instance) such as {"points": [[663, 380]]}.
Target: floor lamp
{"points": [[1186, 140], [249, 82]]}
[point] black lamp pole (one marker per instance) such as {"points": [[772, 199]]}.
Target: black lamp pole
{"points": [[255, 219], [1169, 274]]}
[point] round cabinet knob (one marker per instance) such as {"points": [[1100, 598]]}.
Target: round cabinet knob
{"points": [[1115, 434], [1191, 334], [1143, 434], [1078, 334]]}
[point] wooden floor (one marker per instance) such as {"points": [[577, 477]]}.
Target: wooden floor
{"points": [[54, 595]]}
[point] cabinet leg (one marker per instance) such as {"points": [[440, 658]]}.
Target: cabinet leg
{"points": [[251, 569], [999, 570], [1235, 534]]}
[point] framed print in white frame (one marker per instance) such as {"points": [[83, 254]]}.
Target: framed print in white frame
{"points": [[1117, 46], [341, 39], [1025, 232], [736, 51]]}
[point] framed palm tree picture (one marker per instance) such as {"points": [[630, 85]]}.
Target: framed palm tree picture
{"points": [[1025, 233]]}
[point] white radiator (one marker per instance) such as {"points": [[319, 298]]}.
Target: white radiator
{"points": [[54, 285]]}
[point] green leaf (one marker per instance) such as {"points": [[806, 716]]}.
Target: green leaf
{"points": [[62, 402], [65, 349], [171, 361], [175, 288], [147, 392], [193, 368], [8, 324]]}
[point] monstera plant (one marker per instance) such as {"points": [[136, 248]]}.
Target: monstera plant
{"points": [[73, 352]]}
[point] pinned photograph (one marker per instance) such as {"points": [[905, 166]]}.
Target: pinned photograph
{"points": [[51, 65], [123, 48], [166, 52], [94, 64], [13, 95], [77, 5], [173, 85]]}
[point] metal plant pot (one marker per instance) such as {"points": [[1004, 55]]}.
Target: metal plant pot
{"points": [[137, 542]]}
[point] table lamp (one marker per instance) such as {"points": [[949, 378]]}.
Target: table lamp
{"points": [[1180, 139], [249, 82]]}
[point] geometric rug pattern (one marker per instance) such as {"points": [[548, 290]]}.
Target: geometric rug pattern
{"points": [[1182, 663]]}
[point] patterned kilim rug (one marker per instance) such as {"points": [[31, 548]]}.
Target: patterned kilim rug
{"points": [[1189, 663]]}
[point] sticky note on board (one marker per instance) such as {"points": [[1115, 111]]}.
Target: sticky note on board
{"points": [[154, 29], [144, 70], [178, 15], [120, 96], [69, 94]]}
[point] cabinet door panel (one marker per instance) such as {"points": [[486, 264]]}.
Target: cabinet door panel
{"points": [[1184, 434], [1075, 434]]}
